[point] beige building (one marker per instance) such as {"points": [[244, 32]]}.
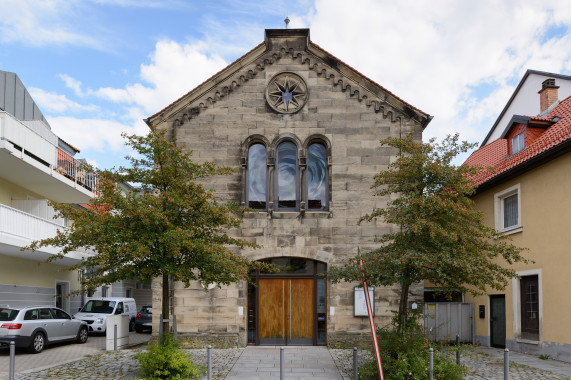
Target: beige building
{"points": [[302, 130], [526, 197]]}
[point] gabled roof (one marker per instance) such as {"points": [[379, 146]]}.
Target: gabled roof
{"points": [[516, 92], [68, 144], [336, 70], [554, 141]]}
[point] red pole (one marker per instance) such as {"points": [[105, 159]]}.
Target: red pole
{"points": [[372, 324]]}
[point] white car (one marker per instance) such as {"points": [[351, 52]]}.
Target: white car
{"points": [[96, 311], [35, 326]]}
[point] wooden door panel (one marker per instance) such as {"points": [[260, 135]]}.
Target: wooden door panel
{"points": [[271, 309], [302, 312], [286, 311]]}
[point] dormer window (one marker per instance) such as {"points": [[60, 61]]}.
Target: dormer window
{"points": [[517, 144]]}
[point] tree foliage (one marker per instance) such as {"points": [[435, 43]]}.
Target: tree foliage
{"points": [[171, 226], [440, 236]]}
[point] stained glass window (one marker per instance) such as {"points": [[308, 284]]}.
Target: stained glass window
{"points": [[286, 176], [257, 177], [317, 177]]}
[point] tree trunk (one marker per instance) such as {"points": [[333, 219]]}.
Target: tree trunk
{"points": [[166, 307], [403, 306]]}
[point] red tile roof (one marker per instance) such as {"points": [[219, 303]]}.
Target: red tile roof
{"points": [[495, 154], [71, 146]]}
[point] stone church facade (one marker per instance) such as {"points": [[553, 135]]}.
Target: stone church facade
{"points": [[302, 130]]}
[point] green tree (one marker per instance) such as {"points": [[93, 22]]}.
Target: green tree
{"points": [[172, 226], [440, 237]]}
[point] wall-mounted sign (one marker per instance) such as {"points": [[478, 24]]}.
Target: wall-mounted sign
{"points": [[360, 306]]}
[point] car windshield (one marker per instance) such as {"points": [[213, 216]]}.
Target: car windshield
{"points": [[146, 310], [99, 306], [8, 314]]}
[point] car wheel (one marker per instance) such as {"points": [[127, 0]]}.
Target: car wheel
{"points": [[38, 343], [132, 325], [82, 335]]}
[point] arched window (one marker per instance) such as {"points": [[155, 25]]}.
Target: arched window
{"points": [[257, 184], [287, 177], [317, 178]]}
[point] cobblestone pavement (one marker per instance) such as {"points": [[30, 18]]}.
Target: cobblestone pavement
{"points": [[60, 353], [483, 363], [344, 360], [488, 363], [123, 365]]}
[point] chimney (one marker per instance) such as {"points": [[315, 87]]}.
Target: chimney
{"points": [[548, 94]]}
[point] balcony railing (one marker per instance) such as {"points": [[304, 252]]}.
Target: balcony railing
{"points": [[41, 144], [23, 225], [75, 170]]}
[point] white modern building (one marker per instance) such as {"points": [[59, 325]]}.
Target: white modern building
{"points": [[35, 167]]}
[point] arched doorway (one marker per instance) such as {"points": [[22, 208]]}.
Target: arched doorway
{"points": [[288, 307]]}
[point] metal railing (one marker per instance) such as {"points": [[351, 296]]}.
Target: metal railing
{"points": [[42, 145], [75, 170]]}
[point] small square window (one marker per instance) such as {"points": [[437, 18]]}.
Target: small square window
{"points": [[517, 144]]}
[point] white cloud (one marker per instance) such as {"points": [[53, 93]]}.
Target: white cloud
{"points": [[433, 53], [142, 3], [457, 60], [73, 84], [40, 23], [95, 134], [53, 102], [174, 69]]}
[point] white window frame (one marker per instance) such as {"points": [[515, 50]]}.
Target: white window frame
{"points": [[516, 304], [499, 209], [519, 142]]}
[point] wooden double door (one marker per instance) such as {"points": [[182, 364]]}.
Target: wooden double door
{"points": [[286, 311]]}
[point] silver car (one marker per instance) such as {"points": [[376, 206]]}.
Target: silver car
{"points": [[35, 326]]}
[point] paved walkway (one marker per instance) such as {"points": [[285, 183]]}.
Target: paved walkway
{"points": [[305, 362]]}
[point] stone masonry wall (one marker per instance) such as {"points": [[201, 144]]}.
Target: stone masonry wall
{"points": [[353, 130]]}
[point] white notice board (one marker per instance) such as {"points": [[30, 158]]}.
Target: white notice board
{"points": [[360, 306]]}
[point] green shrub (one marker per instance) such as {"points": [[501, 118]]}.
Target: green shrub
{"points": [[166, 361], [404, 355]]}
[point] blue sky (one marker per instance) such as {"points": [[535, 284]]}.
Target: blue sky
{"points": [[98, 67]]}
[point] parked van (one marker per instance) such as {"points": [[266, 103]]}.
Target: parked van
{"points": [[96, 311]]}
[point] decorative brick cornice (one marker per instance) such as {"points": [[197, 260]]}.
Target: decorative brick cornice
{"points": [[219, 92]]}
